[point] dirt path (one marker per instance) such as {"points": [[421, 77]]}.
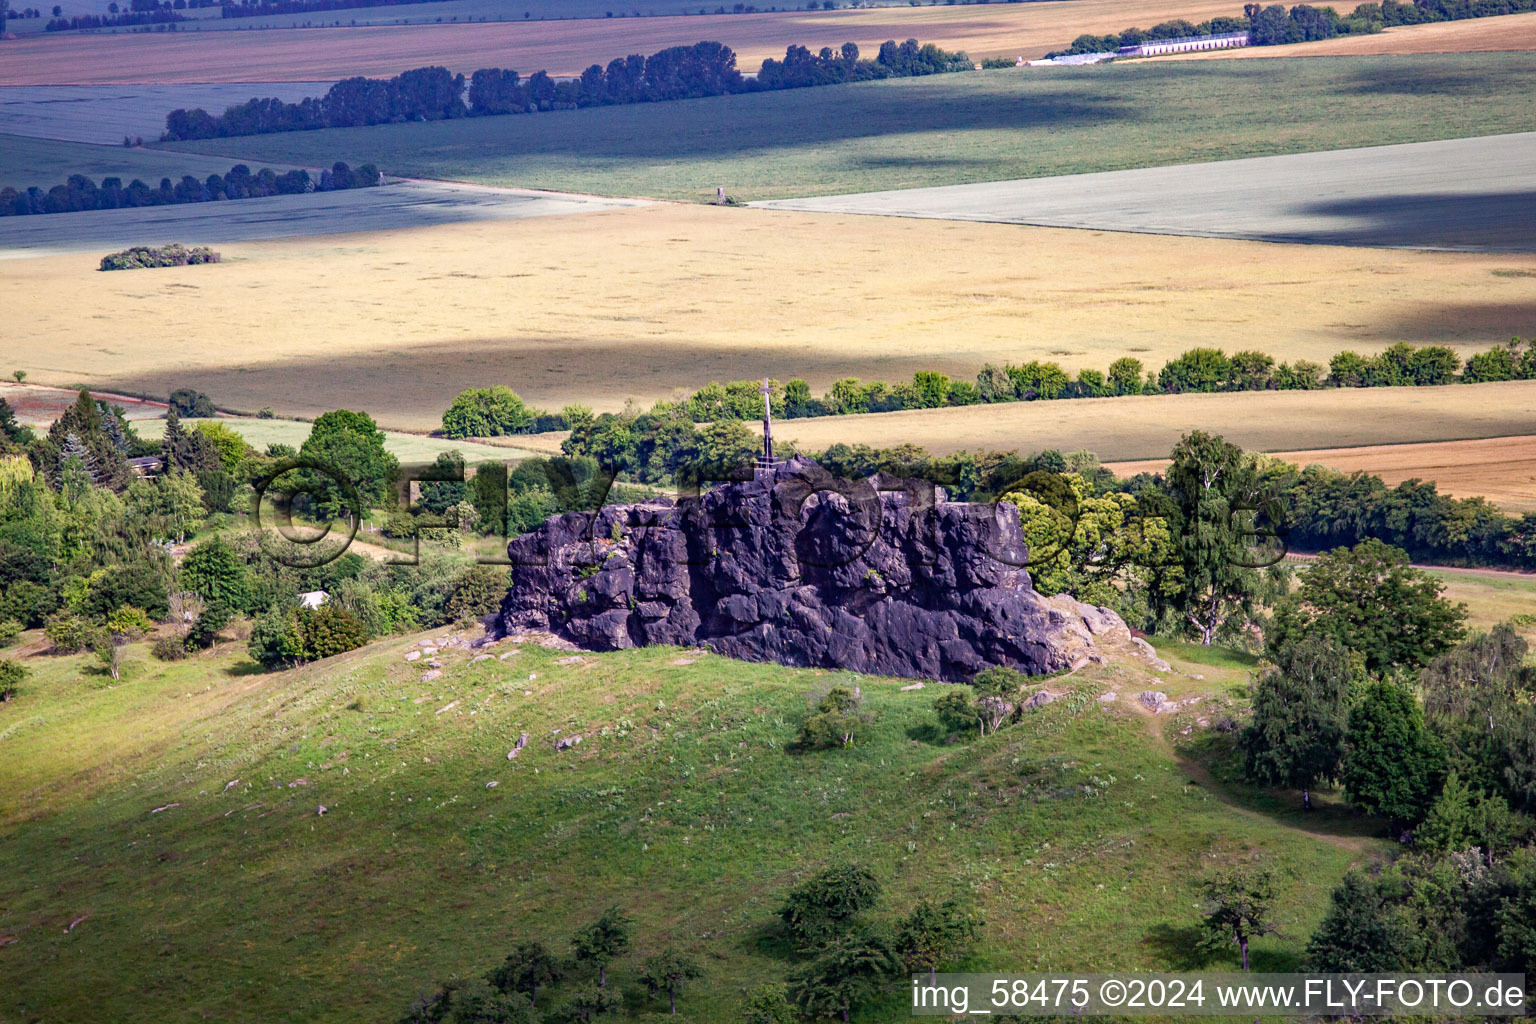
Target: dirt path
{"points": [[1202, 777]]}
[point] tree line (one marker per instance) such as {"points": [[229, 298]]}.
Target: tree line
{"points": [[257, 8], [1275, 25], [678, 72], [496, 411], [1197, 370], [81, 21], [81, 193]]}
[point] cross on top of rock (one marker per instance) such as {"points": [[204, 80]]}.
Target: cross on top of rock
{"points": [[767, 392]]}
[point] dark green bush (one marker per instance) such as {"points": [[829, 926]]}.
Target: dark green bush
{"points": [[175, 254]]}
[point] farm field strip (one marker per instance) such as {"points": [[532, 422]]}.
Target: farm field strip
{"points": [[26, 162], [1461, 194], [408, 448], [387, 207], [105, 115], [563, 47], [1133, 429], [1501, 469], [946, 129], [641, 302]]}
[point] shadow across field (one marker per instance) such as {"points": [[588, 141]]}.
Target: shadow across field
{"points": [[1493, 221]]}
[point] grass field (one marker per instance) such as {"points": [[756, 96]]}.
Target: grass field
{"points": [[601, 307], [1501, 469], [103, 115], [949, 129], [564, 48], [1458, 194], [1505, 32], [1490, 599], [47, 162], [1077, 833]]}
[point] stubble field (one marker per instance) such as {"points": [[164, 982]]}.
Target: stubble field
{"points": [[636, 303], [565, 47], [1134, 429], [1501, 469]]}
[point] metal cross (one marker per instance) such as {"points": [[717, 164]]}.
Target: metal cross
{"points": [[767, 421]]}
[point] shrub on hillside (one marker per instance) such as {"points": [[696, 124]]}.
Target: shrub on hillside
{"points": [[169, 648], [68, 632], [10, 629], [12, 675], [142, 257], [287, 638]]}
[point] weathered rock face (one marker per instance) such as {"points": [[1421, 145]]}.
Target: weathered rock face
{"points": [[795, 567]]}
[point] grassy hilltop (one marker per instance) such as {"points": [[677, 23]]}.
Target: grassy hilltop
{"points": [[1078, 833]]}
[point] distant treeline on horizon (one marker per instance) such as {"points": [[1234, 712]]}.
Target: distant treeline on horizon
{"points": [[1275, 26], [675, 73], [81, 193]]}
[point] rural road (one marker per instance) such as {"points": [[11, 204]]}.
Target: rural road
{"points": [[406, 204], [1462, 194]]}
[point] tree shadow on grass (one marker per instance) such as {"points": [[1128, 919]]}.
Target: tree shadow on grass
{"points": [[771, 938], [1178, 946], [240, 669]]}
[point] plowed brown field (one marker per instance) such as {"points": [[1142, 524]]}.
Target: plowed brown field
{"points": [[1501, 469]]}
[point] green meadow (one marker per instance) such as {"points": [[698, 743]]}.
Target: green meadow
{"points": [[1080, 834], [946, 129]]}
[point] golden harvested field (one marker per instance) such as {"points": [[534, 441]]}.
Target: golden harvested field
{"points": [[1501, 469], [637, 303], [1505, 32], [565, 47], [1124, 429]]}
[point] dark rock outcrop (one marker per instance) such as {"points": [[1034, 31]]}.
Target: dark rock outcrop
{"points": [[793, 566]]}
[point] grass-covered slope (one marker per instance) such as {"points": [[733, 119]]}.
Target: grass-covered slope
{"points": [[1078, 834], [947, 129]]}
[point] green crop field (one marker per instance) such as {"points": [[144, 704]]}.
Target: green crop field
{"points": [[949, 129], [1081, 834], [47, 162]]}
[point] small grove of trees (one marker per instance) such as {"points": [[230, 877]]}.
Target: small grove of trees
{"points": [[289, 637], [848, 958], [82, 193], [837, 716], [992, 701], [1422, 913], [512, 991]]}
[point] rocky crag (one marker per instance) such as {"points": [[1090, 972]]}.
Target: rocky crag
{"points": [[793, 566]]}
